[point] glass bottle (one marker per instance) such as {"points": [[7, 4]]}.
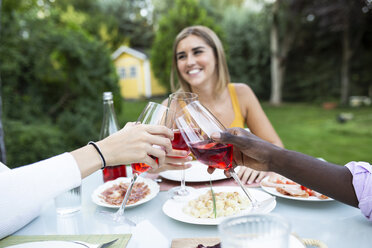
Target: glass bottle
{"points": [[110, 126]]}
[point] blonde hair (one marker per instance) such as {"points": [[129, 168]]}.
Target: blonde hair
{"points": [[212, 40]]}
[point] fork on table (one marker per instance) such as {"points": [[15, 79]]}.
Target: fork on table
{"points": [[104, 245]]}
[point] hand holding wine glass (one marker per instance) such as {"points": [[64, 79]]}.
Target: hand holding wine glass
{"points": [[196, 126], [153, 114], [138, 138]]}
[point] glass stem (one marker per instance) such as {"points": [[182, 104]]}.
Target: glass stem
{"points": [[120, 212], [183, 181], [245, 190]]}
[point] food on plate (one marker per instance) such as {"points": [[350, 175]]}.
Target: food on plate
{"points": [[286, 186], [227, 203], [292, 190], [115, 194]]}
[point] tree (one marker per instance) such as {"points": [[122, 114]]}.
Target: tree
{"points": [[55, 73], [184, 13], [133, 19], [247, 36], [160, 8], [217, 9], [349, 19], [115, 22], [2, 144], [286, 22]]}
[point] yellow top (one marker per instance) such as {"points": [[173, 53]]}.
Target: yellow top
{"points": [[239, 119]]}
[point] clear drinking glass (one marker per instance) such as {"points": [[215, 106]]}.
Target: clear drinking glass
{"points": [[254, 230], [197, 124], [68, 202], [176, 102], [153, 114]]}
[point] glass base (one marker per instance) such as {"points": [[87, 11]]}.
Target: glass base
{"points": [[68, 211], [115, 218], [178, 192], [68, 202]]}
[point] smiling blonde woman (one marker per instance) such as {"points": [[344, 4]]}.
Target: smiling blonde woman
{"points": [[199, 66]]}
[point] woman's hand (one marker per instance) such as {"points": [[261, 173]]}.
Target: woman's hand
{"points": [[175, 160], [135, 143]]}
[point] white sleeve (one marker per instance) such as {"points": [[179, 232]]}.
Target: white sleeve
{"points": [[3, 167], [24, 190]]}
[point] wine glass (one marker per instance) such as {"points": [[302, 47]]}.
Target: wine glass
{"points": [[197, 125], [176, 102], [154, 114]]}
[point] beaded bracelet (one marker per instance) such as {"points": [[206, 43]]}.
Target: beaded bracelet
{"points": [[99, 152]]}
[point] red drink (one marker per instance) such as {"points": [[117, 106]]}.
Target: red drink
{"points": [[178, 143], [113, 172], [142, 167], [213, 154]]}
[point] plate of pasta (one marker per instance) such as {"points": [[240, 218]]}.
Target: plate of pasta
{"points": [[199, 208]]}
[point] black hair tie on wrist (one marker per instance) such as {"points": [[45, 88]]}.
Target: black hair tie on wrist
{"points": [[99, 152]]}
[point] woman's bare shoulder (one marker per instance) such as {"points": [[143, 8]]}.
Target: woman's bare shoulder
{"points": [[247, 98], [242, 89]]}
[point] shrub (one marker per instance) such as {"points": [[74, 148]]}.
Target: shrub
{"points": [[27, 143]]}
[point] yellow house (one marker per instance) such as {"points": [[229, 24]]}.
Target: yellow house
{"points": [[136, 79]]}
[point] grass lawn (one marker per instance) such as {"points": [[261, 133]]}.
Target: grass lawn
{"points": [[315, 131], [309, 129], [132, 109]]}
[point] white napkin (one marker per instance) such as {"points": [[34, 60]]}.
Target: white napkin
{"points": [[147, 235]]}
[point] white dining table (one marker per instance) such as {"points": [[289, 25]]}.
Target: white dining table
{"points": [[334, 223]]}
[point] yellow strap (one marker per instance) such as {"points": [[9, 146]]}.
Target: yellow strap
{"points": [[239, 119]]}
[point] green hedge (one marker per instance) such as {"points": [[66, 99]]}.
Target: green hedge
{"points": [[27, 143]]}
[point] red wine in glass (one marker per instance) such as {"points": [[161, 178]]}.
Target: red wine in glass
{"points": [[176, 102], [113, 172], [213, 154], [178, 143], [142, 167], [197, 124]]}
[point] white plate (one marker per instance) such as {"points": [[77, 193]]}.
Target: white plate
{"points": [[174, 208], [196, 173], [153, 186], [273, 191], [47, 244]]}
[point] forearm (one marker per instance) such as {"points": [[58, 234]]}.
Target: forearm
{"points": [[332, 180], [87, 159]]}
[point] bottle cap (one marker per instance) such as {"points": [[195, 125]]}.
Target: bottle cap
{"points": [[107, 95]]}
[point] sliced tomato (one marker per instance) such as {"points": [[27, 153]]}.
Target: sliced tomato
{"points": [[309, 191], [278, 181], [290, 182]]}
